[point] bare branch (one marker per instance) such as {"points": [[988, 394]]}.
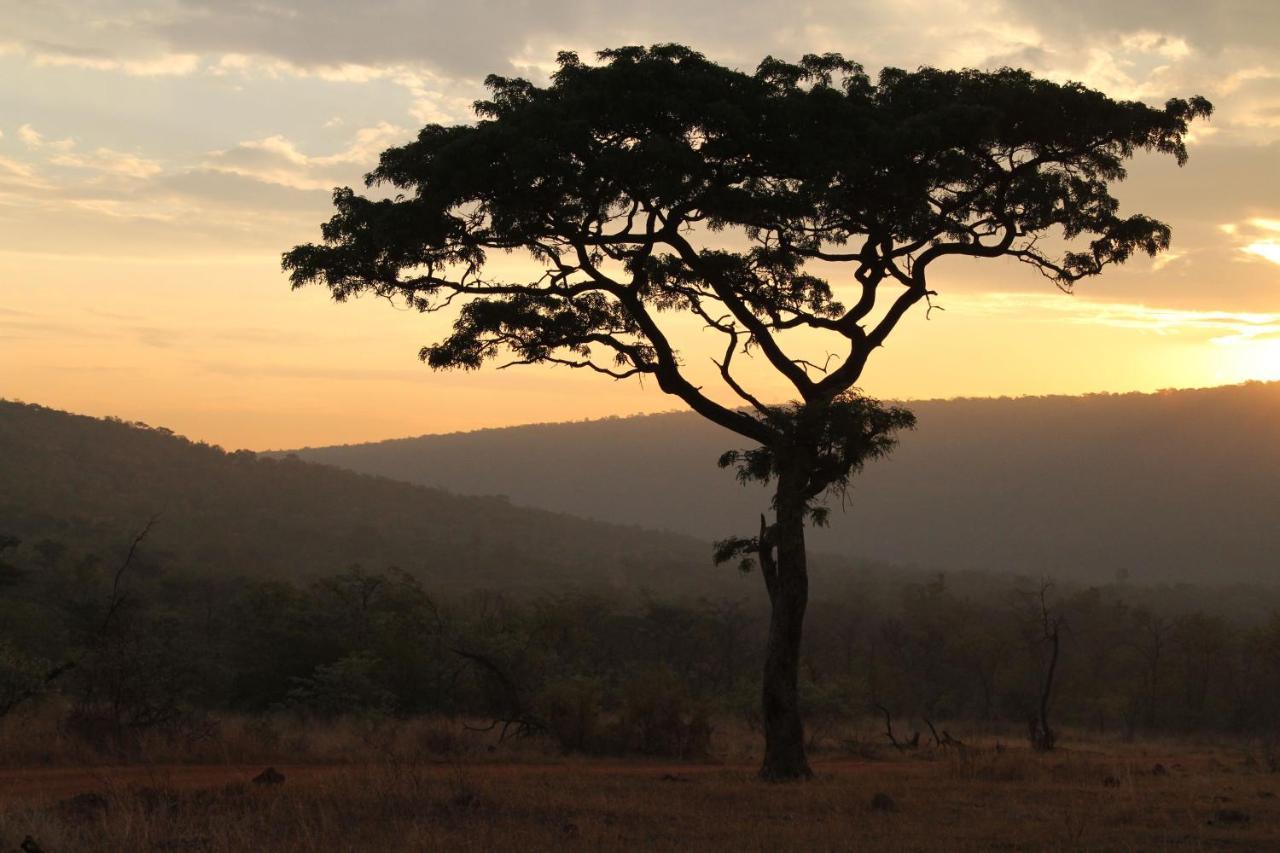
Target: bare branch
{"points": [[117, 598]]}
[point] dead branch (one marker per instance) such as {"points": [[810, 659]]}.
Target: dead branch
{"points": [[943, 740], [517, 718], [113, 604], [901, 746], [117, 598]]}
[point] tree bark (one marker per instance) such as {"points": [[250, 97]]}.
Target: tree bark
{"points": [[787, 580]]}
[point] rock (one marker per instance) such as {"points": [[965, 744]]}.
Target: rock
{"points": [[30, 845], [1159, 770], [270, 776], [158, 800], [1229, 817], [1111, 782], [84, 806], [882, 802], [466, 801]]}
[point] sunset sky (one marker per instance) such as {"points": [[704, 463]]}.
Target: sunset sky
{"points": [[157, 157]]}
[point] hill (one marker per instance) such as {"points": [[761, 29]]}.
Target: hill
{"points": [[87, 485], [1173, 486]]}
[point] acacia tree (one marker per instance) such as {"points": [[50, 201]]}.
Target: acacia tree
{"points": [[659, 183]]}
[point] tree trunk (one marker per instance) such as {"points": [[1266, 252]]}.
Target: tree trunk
{"points": [[1043, 738], [787, 580]]}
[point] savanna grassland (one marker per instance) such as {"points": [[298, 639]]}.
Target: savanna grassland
{"points": [[437, 786], [176, 620]]}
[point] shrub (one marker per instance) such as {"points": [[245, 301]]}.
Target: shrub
{"points": [[571, 708], [22, 677], [350, 685], [660, 718]]}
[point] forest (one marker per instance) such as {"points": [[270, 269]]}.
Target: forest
{"points": [[130, 648], [234, 602]]}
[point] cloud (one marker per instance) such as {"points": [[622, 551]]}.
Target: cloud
{"points": [[439, 50], [1266, 249], [352, 41], [153, 64], [1219, 327], [1208, 25], [1163, 260], [103, 161], [110, 162], [33, 139], [228, 192], [278, 160], [19, 183], [1257, 237], [21, 174], [271, 168], [472, 39], [30, 136], [255, 196], [464, 39]]}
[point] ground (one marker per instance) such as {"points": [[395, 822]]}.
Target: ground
{"points": [[990, 795]]}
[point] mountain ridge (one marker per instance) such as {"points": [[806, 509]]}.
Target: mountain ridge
{"points": [[1092, 487], [93, 483]]}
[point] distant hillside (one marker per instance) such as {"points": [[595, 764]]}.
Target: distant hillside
{"points": [[89, 485], [1178, 485]]}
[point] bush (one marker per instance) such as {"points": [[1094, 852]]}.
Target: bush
{"points": [[660, 718], [143, 678], [350, 685], [22, 677], [826, 707], [571, 708]]}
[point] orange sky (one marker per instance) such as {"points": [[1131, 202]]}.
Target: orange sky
{"points": [[153, 168]]}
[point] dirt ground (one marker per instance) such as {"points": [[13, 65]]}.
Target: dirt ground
{"points": [[1104, 798]]}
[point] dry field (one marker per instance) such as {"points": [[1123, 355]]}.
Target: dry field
{"points": [[421, 786]]}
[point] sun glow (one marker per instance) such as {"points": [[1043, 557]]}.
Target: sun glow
{"points": [[1268, 249], [1256, 360]]}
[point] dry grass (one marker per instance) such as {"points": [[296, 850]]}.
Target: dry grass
{"points": [[426, 786]]}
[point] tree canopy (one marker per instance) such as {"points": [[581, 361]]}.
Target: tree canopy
{"points": [[616, 178]]}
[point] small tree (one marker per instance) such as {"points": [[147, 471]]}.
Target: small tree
{"points": [[1043, 629], [660, 183]]}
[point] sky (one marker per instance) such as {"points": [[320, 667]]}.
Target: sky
{"points": [[157, 157]]}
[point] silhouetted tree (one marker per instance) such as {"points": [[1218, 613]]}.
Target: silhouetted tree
{"points": [[660, 183], [1044, 639]]}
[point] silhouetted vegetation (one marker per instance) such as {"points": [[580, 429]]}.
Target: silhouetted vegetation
{"points": [[188, 630], [274, 624], [602, 675], [614, 182], [140, 694]]}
